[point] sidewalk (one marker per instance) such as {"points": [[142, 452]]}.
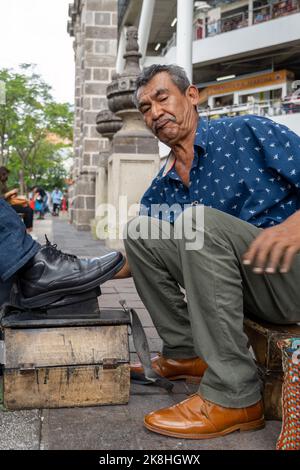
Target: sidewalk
{"points": [[112, 427]]}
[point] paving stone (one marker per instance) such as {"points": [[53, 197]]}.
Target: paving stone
{"points": [[20, 430], [108, 290], [121, 427], [126, 289], [108, 301], [131, 296], [179, 387]]}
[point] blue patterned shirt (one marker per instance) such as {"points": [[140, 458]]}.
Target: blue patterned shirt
{"points": [[247, 166]]}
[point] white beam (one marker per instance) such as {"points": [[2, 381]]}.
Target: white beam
{"points": [[250, 13], [120, 63], [145, 25], [185, 12]]}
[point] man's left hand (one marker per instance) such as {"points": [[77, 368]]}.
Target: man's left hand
{"points": [[275, 248]]}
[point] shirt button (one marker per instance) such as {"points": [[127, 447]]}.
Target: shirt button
{"points": [[195, 203]]}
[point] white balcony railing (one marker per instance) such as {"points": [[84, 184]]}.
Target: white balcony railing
{"points": [[259, 15], [240, 20], [268, 108]]}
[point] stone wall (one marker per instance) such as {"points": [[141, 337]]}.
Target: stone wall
{"points": [[93, 24]]}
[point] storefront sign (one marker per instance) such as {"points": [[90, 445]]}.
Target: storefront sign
{"points": [[262, 80]]}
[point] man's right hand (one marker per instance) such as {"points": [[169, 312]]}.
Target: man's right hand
{"points": [[11, 193], [124, 271]]}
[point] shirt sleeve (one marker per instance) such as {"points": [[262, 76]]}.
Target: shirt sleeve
{"points": [[280, 148]]}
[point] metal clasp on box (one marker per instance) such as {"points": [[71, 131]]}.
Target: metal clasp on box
{"points": [[27, 367], [110, 363]]}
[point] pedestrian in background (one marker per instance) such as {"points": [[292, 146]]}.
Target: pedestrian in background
{"points": [[56, 198]]}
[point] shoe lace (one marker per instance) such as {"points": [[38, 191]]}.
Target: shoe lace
{"points": [[60, 253]]}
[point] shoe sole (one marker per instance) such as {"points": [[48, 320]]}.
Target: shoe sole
{"points": [[139, 377], [50, 297], [251, 426]]}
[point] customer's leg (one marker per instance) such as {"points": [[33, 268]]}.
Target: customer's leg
{"points": [[158, 277], [218, 288], [16, 246], [27, 213]]}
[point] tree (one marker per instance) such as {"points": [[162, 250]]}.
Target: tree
{"points": [[27, 119]]}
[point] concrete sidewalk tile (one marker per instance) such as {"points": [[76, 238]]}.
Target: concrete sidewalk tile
{"points": [[134, 303], [145, 390], [126, 289], [108, 290], [121, 427], [179, 387], [20, 430], [87, 429], [107, 301], [127, 282], [130, 296]]}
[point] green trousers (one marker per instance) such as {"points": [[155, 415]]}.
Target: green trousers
{"points": [[207, 320]]}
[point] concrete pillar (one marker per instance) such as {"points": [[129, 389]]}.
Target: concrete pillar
{"points": [[185, 12], [107, 125], [250, 13], [145, 25], [134, 160]]}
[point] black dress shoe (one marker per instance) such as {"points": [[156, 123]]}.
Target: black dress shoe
{"points": [[50, 274]]}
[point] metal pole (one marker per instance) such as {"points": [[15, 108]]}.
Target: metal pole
{"points": [[250, 13], [185, 13], [121, 51], [145, 25]]}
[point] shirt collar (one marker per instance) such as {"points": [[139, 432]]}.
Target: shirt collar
{"points": [[200, 141]]}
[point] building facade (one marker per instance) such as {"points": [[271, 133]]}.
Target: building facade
{"points": [[243, 55], [93, 24]]}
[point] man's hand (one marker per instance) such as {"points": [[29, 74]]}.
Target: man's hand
{"points": [[276, 247], [11, 193], [124, 271]]}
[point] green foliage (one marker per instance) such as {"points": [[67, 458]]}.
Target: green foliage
{"points": [[28, 121]]}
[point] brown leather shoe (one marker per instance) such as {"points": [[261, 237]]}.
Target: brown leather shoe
{"points": [[196, 418], [175, 369]]}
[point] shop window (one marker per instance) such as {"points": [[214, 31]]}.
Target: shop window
{"points": [[234, 19], [220, 101]]}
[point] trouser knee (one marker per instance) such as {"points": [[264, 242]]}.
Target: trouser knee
{"points": [[146, 230], [208, 221]]}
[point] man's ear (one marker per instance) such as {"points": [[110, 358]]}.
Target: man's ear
{"points": [[193, 94]]}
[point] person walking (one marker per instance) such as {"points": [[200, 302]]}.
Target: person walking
{"points": [[56, 198]]}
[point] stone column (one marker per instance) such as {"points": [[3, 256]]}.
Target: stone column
{"points": [[184, 54], [107, 125], [94, 25], [135, 159]]}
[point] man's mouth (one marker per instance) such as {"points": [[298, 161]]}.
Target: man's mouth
{"points": [[159, 125]]}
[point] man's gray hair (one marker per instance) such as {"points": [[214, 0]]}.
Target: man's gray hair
{"points": [[177, 75]]}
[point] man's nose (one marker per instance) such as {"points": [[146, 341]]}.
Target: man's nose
{"points": [[157, 111]]}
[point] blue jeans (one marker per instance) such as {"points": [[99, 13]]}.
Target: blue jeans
{"points": [[16, 246]]}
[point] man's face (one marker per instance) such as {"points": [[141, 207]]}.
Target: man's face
{"points": [[3, 176], [166, 111]]}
